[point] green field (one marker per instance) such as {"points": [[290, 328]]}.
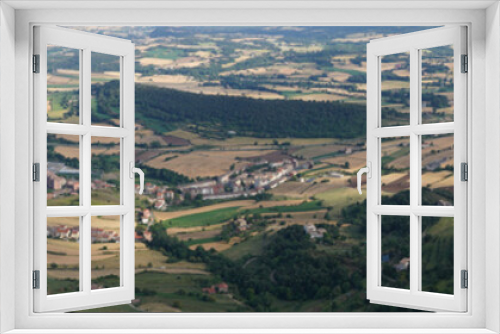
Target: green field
{"points": [[340, 197], [251, 247], [203, 219], [162, 52], [201, 241], [159, 292], [305, 206]]}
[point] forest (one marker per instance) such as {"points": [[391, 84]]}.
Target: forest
{"points": [[163, 109]]}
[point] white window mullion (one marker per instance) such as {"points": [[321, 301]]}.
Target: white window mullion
{"points": [[414, 170], [86, 170]]}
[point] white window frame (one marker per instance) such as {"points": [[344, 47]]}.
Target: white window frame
{"points": [[484, 308], [85, 43], [413, 43]]}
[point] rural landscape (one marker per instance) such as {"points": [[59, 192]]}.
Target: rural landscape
{"points": [[250, 139]]}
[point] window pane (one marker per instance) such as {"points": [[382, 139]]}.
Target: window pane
{"points": [[63, 170], [105, 78], [105, 171], [63, 84], [437, 170], [437, 84], [395, 171], [105, 236], [63, 254], [437, 254], [395, 251], [395, 89]]}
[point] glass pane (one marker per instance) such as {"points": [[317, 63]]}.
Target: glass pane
{"points": [[395, 251], [63, 84], [63, 254], [395, 89], [437, 84], [437, 254], [105, 78], [437, 170], [105, 237], [395, 171], [63, 170], [105, 171]]}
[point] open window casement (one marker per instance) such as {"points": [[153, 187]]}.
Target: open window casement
{"points": [[418, 124], [89, 123]]}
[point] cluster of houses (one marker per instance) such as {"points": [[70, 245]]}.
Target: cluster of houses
{"points": [[72, 233], [245, 182], [63, 180], [313, 231], [403, 264], [217, 288]]}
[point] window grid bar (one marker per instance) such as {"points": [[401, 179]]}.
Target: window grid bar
{"points": [[81, 130], [414, 174], [407, 130], [85, 165]]}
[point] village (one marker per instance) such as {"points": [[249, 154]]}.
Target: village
{"points": [[251, 180]]}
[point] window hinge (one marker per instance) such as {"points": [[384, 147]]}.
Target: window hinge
{"points": [[36, 279], [465, 63], [465, 279], [464, 170], [36, 63], [36, 172]]}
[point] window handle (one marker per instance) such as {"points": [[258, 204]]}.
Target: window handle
{"points": [[134, 170], [368, 171]]}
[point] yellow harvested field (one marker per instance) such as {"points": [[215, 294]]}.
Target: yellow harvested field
{"points": [[437, 144], [176, 214], [208, 163], [71, 138], [339, 76], [269, 204], [402, 73], [437, 179], [444, 183], [176, 230], [356, 161], [302, 49], [105, 150], [314, 151], [388, 66], [157, 308], [390, 84], [389, 178], [68, 221], [319, 97], [159, 161], [155, 61], [176, 271], [105, 140], [108, 223], [248, 141], [401, 162], [173, 79], [68, 151], [198, 235]]}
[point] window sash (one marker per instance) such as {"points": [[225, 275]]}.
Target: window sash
{"points": [[86, 297], [414, 297]]}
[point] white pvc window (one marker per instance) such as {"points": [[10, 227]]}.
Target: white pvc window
{"points": [[420, 124], [71, 130]]}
